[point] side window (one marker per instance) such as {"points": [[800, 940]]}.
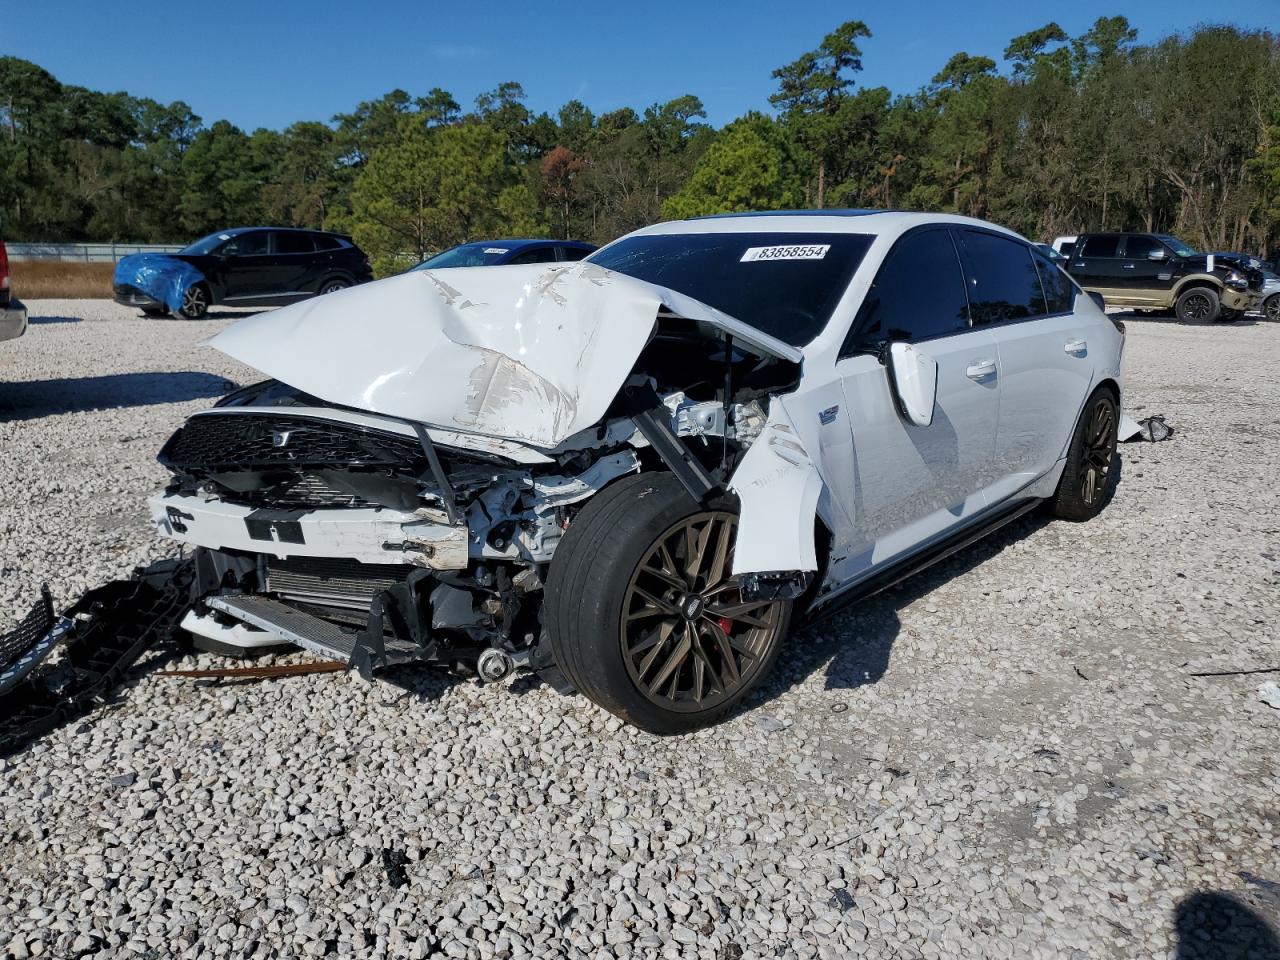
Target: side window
{"points": [[537, 255], [1059, 291], [573, 253], [1068, 248], [246, 245], [1139, 247], [292, 241], [918, 293], [1002, 278], [1105, 247], [324, 243]]}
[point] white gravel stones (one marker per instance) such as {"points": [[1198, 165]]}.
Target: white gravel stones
{"points": [[930, 775]]}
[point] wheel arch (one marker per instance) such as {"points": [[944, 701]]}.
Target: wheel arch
{"points": [[1197, 280]]}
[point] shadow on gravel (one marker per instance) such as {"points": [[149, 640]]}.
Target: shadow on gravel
{"points": [[1230, 926], [1171, 318], [856, 645], [42, 398]]}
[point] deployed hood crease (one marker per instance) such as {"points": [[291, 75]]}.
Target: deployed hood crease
{"points": [[523, 353]]}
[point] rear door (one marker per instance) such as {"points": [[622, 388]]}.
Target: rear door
{"points": [[248, 266], [1028, 305], [1142, 277], [294, 271], [1096, 264], [908, 483]]}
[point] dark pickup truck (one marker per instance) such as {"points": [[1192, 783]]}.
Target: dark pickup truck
{"points": [[1152, 271]]}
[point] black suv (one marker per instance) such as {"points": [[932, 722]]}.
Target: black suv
{"points": [[255, 267], [1158, 272]]}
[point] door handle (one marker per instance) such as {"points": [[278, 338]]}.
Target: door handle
{"points": [[1128, 266], [1077, 348], [980, 369]]}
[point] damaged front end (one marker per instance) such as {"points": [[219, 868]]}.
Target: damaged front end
{"points": [[401, 497], [375, 541]]}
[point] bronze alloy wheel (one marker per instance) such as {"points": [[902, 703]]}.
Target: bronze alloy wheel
{"points": [[688, 639], [1099, 448]]}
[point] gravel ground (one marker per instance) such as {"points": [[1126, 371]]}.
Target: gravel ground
{"points": [[1006, 756]]}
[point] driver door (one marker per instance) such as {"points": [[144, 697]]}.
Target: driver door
{"points": [[248, 266], [910, 484]]}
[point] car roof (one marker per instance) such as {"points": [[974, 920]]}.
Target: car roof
{"points": [[516, 243], [816, 221], [233, 231]]}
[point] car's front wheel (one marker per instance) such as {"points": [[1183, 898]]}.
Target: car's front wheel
{"points": [[1082, 490], [195, 302], [1198, 305], [644, 614], [1271, 308]]}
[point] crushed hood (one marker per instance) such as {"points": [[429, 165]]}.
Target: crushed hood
{"points": [[526, 353]]}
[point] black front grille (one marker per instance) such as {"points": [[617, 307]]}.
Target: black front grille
{"points": [[338, 583], [253, 441], [301, 492]]}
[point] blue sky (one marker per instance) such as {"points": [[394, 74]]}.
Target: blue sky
{"points": [[272, 62]]}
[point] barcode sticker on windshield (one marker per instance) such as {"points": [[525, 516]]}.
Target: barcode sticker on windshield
{"points": [[495, 249], [814, 251]]}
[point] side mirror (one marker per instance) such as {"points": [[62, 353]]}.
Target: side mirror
{"points": [[1099, 299], [915, 381], [1157, 255]]}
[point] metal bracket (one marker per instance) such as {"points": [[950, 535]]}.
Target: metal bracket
{"points": [[653, 420], [437, 471]]}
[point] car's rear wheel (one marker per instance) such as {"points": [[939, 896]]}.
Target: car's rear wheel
{"points": [[644, 614], [1198, 305], [334, 285], [1271, 308], [195, 302], [1082, 491]]}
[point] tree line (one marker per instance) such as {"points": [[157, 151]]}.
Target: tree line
{"points": [[1067, 134]]}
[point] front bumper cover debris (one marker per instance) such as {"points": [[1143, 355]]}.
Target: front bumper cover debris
{"points": [[102, 635]]}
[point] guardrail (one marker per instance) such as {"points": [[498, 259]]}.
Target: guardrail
{"points": [[84, 252]]}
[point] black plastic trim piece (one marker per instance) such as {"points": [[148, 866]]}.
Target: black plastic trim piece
{"points": [[653, 420], [909, 566]]}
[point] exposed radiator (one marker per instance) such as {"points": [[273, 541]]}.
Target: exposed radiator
{"points": [[333, 583]]}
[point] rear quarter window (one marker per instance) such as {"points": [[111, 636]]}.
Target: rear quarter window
{"points": [[1001, 278]]}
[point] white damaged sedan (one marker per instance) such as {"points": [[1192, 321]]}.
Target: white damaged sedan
{"points": [[633, 474]]}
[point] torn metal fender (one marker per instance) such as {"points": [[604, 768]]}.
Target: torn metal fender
{"points": [[778, 487], [527, 353]]}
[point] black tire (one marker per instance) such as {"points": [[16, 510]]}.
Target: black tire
{"points": [[1271, 308], [333, 285], [195, 302], [1198, 305], [601, 568], [1082, 491]]}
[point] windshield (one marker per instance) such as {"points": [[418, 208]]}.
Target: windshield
{"points": [[206, 244], [1178, 247], [784, 284], [466, 255]]}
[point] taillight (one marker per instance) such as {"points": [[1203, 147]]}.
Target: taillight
{"points": [[4, 267]]}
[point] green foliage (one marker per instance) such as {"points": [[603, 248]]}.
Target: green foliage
{"points": [[1066, 134], [428, 189], [750, 166]]}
